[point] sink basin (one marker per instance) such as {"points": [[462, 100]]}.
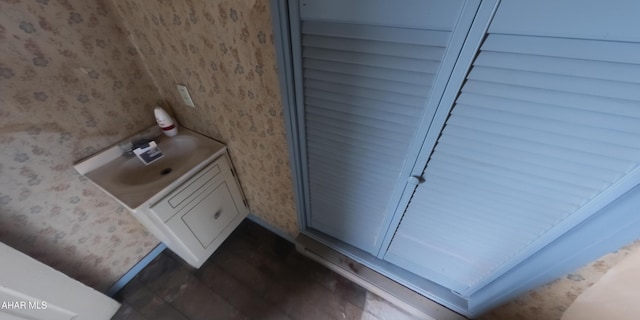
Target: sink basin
{"points": [[177, 153], [133, 183]]}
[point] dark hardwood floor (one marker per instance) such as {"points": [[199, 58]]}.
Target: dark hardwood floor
{"points": [[253, 275]]}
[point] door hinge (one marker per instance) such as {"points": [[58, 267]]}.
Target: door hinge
{"points": [[232, 172], [246, 204]]}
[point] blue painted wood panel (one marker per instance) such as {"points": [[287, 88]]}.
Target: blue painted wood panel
{"points": [[587, 19], [528, 37], [419, 14], [366, 79], [352, 173], [614, 226], [542, 136]]}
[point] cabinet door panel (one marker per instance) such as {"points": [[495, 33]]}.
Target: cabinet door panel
{"points": [[530, 150], [204, 223], [366, 75], [211, 215]]}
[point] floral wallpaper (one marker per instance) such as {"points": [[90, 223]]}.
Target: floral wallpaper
{"points": [[70, 84], [223, 51]]}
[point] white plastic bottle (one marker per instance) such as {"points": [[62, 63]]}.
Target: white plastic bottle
{"points": [[165, 122]]}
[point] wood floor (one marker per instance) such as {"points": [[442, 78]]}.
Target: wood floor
{"points": [[253, 275]]}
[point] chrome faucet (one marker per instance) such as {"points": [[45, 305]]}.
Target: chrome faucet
{"points": [[127, 148]]}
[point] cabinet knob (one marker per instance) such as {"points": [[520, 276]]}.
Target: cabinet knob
{"points": [[415, 180], [217, 214]]}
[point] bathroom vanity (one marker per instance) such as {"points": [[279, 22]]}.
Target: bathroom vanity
{"points": [[190, 199]]}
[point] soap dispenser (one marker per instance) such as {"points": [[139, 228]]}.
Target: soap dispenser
{"points": [[165, 122]]}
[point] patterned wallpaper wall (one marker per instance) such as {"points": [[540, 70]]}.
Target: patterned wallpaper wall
{"points": [[70, 84], [223, 51]]}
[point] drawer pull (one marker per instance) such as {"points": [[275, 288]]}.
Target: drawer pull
{"points": [[217, 214]]}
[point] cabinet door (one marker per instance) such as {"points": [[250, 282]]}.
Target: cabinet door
{"points": [[209, 216], [543, 134], [207, 221], [367, 78]]}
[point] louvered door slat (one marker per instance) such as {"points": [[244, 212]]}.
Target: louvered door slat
{"points": [[364, 146], [597, 87], [390, 85], [329, 190], [426, 37], [340, 126], [387, 109], [488, 156], [353, 134], [598, 50], [592, 119], [550, 185], [484, 206], [498, 183], [354, 175], [375, 47], [412, 77], [327, 145], [372, 60], [546, 127], [336, 118], [621, 107], [388, 99], [355, 139], [354, 111], [541, 128], [573, 67], [539, 142], [549, 204], [508, 154]]}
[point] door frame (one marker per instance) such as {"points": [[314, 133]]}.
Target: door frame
{"points": [[611, 227], [285, 62]]}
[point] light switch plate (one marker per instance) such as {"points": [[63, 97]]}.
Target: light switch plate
{"points": [[186, 97]]}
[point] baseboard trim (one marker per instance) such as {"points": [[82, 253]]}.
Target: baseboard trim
{"points": [[397, 294], [116, 287], [270, 227]]}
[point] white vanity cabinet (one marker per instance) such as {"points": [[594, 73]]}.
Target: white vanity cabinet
{"points": [[189, 199], [199, 215]]}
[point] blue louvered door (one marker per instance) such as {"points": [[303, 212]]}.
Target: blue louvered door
{"points": [[365, 74], [544, 133]]}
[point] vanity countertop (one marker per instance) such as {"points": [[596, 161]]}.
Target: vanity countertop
{"points": [[134, 184]]}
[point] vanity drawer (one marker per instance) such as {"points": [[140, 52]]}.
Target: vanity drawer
{"points": [[210, 214], [185, 193]]}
